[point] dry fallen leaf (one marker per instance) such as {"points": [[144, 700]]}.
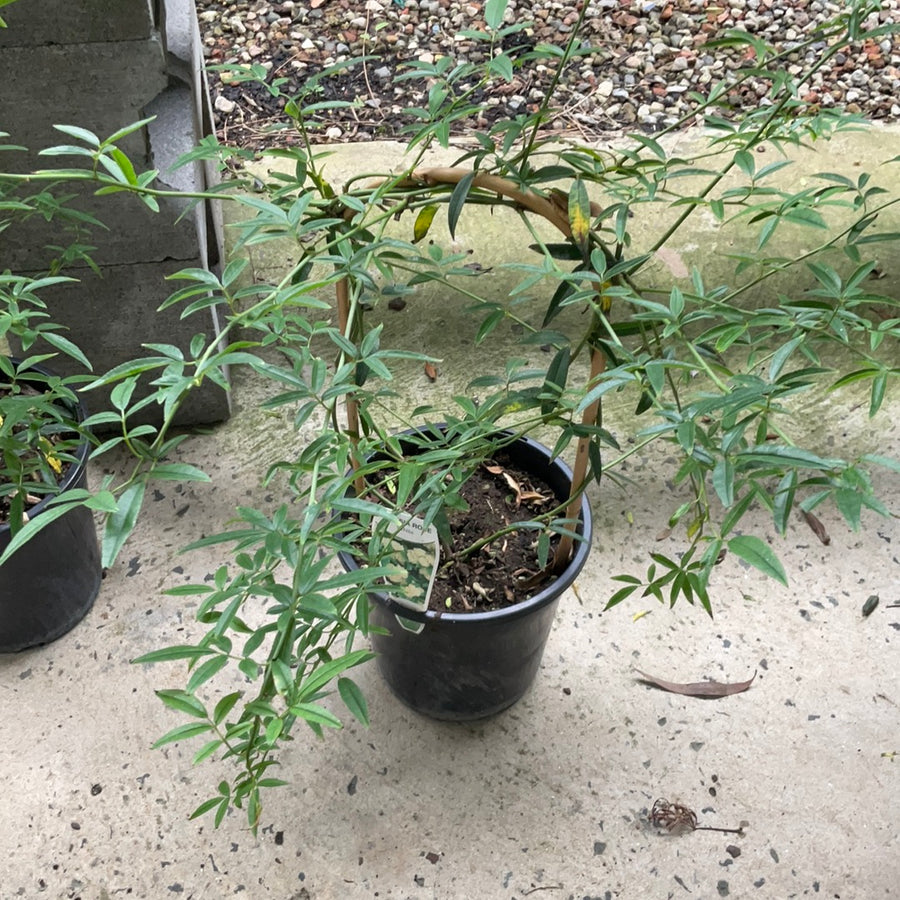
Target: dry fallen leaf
{"points": [[431, 372], [711, 689], [817, 527]]}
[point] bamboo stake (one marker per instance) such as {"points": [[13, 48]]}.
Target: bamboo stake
{"points": [[342, 292]]}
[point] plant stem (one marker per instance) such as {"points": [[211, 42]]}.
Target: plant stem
{"points": [[342, 292], [579, 471]]}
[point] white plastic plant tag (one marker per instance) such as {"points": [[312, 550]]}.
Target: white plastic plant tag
{"points": [[416, 550]]}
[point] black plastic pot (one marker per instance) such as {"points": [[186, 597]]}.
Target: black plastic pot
{"points": [[50, 583], [466, 666]]}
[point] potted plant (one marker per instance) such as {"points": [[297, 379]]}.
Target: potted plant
{"points": [[710, 368], [48, 584], [51, 561]]}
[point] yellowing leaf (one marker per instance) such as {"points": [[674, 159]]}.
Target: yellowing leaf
{"points": [[423, 222], [580, 215]]}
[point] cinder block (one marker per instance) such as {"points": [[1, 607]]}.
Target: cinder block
{"points": [[35, 22], [112, 315], [100, 87], [103, 86]]}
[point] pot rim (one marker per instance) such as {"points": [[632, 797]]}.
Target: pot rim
{"points": [[81, 452], [546, 595]]}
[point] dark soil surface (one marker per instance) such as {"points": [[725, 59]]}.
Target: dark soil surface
{"points": [[498, 494]]}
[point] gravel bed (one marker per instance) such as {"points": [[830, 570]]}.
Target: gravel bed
{"points": [[647, 57]]}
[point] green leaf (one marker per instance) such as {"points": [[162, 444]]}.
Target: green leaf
{"points": [[458, 200], [758, 554], [182, 702], [273, 731], [563, 290], [168, 654], [121, 523], [494, 11], [206, 670], [745, 161], [723, 481], [80, 134], [784, 500], [315, 715], [224, 706], [555, 382], [885, 461], [777, 455], [354, 700], [207, 750], [849, 502], [879, 384], [322, 674], [178, 472], [183, 733]]}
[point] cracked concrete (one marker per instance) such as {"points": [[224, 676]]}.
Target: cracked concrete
{"points": [[547, 799]]}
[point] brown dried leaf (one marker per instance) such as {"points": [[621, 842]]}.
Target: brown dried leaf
{"points": [[710, 689], [431, 372], [817, 527], [531, 496]]}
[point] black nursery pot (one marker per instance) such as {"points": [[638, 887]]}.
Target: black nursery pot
{"points": [[466, 666], [50, 583]]}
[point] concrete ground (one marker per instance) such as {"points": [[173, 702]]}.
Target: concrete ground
{"points": [[548, 799]]}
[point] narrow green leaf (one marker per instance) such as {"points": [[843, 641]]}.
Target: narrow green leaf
{"points": [[458, 200], [81, 134], [879, 384], [121, 523], [784, 500], [207, 750], [322, 674], [723, 481], [273, 731], [354, 700], [178, 472], [745, 162], [205, 671], [183, 733], [315, 715], [224, 707], [168, 654], [494, 10], [758, 554], [789, 456], [849, 502], [182, 702], [555, 382]]}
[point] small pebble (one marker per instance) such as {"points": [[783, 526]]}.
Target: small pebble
{"points": [[647, 58]]}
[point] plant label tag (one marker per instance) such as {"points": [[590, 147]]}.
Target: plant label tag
{"points": [[416, 550]]}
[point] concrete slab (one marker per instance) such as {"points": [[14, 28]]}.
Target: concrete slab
{"points": [[549, 798]]}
